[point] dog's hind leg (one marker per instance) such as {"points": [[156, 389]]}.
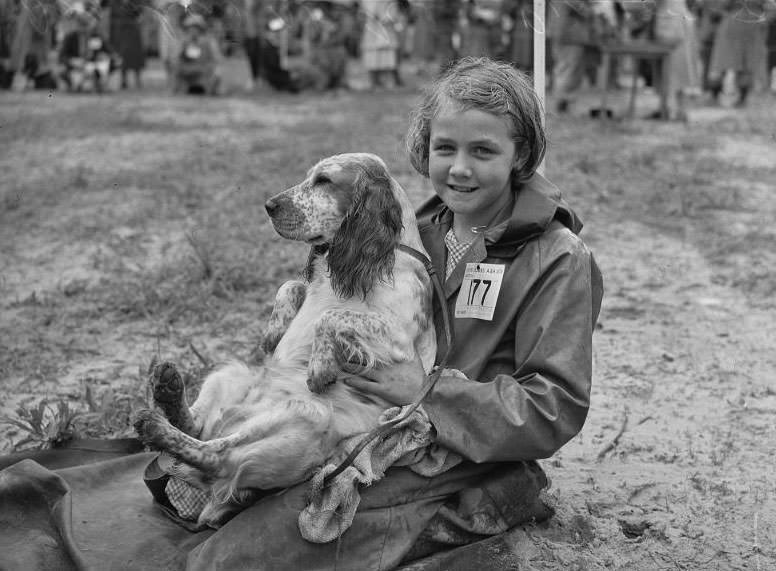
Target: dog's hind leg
{"points": [[169, 393], [288, 300], [209, 457]]}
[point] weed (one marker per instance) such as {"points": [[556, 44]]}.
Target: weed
{"points": [[12, 200], [111, 412], [46, 426], [204, 253]]}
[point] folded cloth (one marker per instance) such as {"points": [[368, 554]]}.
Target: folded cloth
{"points": [[333, 505], [179, 500]]}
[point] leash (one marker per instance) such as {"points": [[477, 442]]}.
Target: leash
{"points": [[390, 426]]}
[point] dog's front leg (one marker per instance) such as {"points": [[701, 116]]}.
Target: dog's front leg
{"points": [[288, 300], [344, 335]]}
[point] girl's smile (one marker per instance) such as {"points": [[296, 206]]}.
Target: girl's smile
{"points": [[471, 158]]}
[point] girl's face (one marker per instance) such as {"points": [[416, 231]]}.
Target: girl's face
{"points": [[471, 156]]}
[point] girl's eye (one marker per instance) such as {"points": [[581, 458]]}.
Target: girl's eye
{"points": [[483, 151], [443, 147]]}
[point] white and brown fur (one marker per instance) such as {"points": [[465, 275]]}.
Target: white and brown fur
{"points": [[362, 300]]}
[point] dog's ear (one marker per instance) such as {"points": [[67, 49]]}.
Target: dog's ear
{"points": [[362, 250]]}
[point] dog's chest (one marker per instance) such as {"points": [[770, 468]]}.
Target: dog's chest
{"points": [[296, 344]]}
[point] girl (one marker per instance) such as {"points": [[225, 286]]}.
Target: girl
{"points": [[523, 292], [740, 46]]}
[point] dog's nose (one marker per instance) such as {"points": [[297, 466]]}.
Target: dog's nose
{"points": [[271, 206]]}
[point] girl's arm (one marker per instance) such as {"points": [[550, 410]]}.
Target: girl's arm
{"points": [[532, 413]]}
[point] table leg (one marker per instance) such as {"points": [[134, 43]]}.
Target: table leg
{"points": [[603, 83], [664, 112], [634, 87]]}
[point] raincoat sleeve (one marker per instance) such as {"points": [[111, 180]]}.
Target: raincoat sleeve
{"points": [[543, 404]]}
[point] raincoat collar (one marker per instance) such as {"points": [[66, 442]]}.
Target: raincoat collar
{"points": [[537, 204]]}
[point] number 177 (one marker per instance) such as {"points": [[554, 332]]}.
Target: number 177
{"points": [[474, 286]]}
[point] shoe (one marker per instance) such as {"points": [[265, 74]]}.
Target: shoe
{"points": [[596, 112]]}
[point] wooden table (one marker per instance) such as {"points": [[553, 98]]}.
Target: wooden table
{"points": [[654, 52]]}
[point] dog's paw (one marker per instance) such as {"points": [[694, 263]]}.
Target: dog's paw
{"points": [[149, 425], [319, 381], [167, 383]]}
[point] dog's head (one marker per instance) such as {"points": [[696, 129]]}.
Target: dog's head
{"points": [[345, 206]]}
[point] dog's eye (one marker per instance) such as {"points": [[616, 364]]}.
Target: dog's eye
{"points": [[322, 179]]}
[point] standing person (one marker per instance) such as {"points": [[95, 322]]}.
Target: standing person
{"points": [[523, 347], [403, 25], [675, 24], [126, 38], [380, 43], [197, 70], [572, 45], [481, 29], [518, 15], [739, 45], [8, 12], [423, 35], [771, 43], [170, 36], [446, 14], [32, 42], [255, 19], [710, 14]]}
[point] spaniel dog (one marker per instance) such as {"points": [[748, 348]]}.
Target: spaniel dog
{"points": [[362, 300]]}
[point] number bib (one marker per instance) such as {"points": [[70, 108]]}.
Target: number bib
{"points": [[479, 291]]}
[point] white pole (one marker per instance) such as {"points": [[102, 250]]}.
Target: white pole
{"points": [[539, 48]]}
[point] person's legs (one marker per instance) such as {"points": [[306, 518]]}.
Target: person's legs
{"points": [[266, 536], [397, 79], [400, 518], [744, 81], [443, 43], [375, 79], [252, 54], [714, 84], [392, 514], [569, 72], [261, 46], [509, 497]]}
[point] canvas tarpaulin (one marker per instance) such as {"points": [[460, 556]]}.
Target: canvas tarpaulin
{"points": [[96, 516], [101, 516]]}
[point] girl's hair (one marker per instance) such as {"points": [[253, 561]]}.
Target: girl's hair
{"points": [[486, 85]]}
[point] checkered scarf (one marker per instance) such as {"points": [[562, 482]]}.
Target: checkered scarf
{"points": [[455, 251]]}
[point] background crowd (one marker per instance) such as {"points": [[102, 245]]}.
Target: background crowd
{"points": [[294, 45]]}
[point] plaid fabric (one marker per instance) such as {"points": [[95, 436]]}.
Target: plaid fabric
{"points": [[188, 500], [455, 251]]}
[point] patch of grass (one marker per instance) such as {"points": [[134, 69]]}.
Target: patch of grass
{"points": [[47, 425]]}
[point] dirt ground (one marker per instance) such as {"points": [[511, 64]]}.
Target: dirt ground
{"points": [[132, 224]]}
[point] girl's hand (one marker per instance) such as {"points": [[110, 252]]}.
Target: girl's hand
{"points": [[399, 383]]}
